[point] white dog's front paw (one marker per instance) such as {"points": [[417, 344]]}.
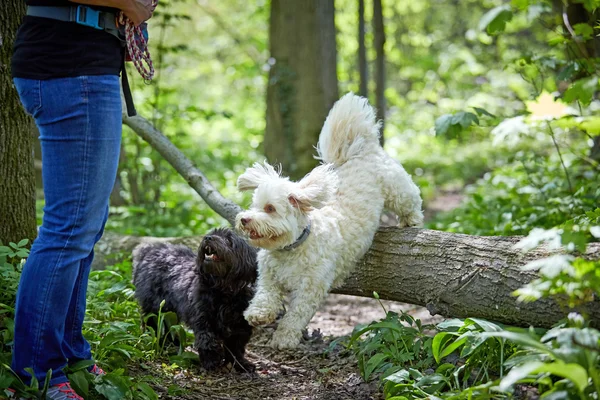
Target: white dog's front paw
{"points": [[257, 316], [285, 339], [413, 220]]}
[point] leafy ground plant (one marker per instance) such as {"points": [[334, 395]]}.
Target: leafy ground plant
{"points": [[474, 358], [112, 327]]}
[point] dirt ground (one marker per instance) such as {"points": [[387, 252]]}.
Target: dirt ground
{"points": [[312, 372]]}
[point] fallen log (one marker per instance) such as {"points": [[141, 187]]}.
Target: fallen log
{"points": [[453, 275]]}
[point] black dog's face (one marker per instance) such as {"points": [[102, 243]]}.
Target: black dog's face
{"points": [[227, 258]]}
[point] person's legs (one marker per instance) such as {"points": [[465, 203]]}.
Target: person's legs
{"points": [[75, 347], [79, 120]]}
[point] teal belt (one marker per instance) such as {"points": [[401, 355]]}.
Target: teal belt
{"points": [[81, 15]]}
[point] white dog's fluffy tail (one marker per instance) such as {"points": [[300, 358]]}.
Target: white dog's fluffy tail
{"points": [[349, 128]]}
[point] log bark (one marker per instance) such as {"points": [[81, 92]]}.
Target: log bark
{"points": [[17, 179], [453, 275]]}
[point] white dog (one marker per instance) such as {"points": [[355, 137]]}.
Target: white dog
{"points": [[313, 232]]}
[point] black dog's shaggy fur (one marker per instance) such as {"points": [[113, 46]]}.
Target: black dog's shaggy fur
{"points": [[208, 291]]}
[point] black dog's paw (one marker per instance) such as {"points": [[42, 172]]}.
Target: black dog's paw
{"points": [[211, 360], [244, 365], [211, 364]]}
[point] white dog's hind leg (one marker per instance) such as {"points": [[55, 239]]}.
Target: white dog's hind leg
{"points": [[305, 302], [402, 195], [266, 303]]}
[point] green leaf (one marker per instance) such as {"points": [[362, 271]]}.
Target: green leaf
{"points": [[398, 377], [5, 381], [486, 325], [568, 72], [582, 90], [79, 365], [439, 343], [23, 242], [373, 363], [464, 119], [115, 288], [113, 387], [455, 345], [34, 382], [22, 253], [46, 383], [474, 340], [482, 111], [578, 239], [383, 324], [520, 4], [453, 324], [436, 380], [442, 124], [584, 30], [148, 392], [80, 383], [591, 5], [494, 21], [591, 125], [120, 350], [573, 372], [522, 339]]}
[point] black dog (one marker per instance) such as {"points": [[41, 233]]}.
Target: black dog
{"points": [[208, 291]]}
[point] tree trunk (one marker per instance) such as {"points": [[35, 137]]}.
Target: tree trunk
{"points": [[571, 15], [453, 275], [379, 35], [302, 81], [362, 51], [595, 150], [17, 179]]}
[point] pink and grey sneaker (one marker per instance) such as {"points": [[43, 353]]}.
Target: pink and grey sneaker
{"points": [[62, 391], [96, 370]]}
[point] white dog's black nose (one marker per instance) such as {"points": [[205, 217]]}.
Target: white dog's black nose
{"points": [[245, 221]]}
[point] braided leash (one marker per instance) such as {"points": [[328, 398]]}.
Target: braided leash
{"points": [[137, 46]]}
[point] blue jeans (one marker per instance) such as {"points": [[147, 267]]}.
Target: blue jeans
{"points": [[79, 120]]}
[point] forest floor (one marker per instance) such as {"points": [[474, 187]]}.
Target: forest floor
{"points": [[314, 371], [317, 370]]}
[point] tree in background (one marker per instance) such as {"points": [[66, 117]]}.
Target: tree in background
{"points": [[17, 183], [579, 21], [379, 39], [302, 84], [362, 51]]}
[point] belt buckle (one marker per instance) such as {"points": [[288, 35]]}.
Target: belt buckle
{"points": [[88, 16]]}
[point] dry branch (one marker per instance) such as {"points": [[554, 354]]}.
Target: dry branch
{"points": [[194, 177]]}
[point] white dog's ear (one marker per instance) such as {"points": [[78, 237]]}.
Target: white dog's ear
{"points": [[316, 189], [256, 175]]}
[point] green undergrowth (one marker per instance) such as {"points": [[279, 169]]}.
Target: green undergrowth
{"points": [[113, 326], [478, 359]]}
